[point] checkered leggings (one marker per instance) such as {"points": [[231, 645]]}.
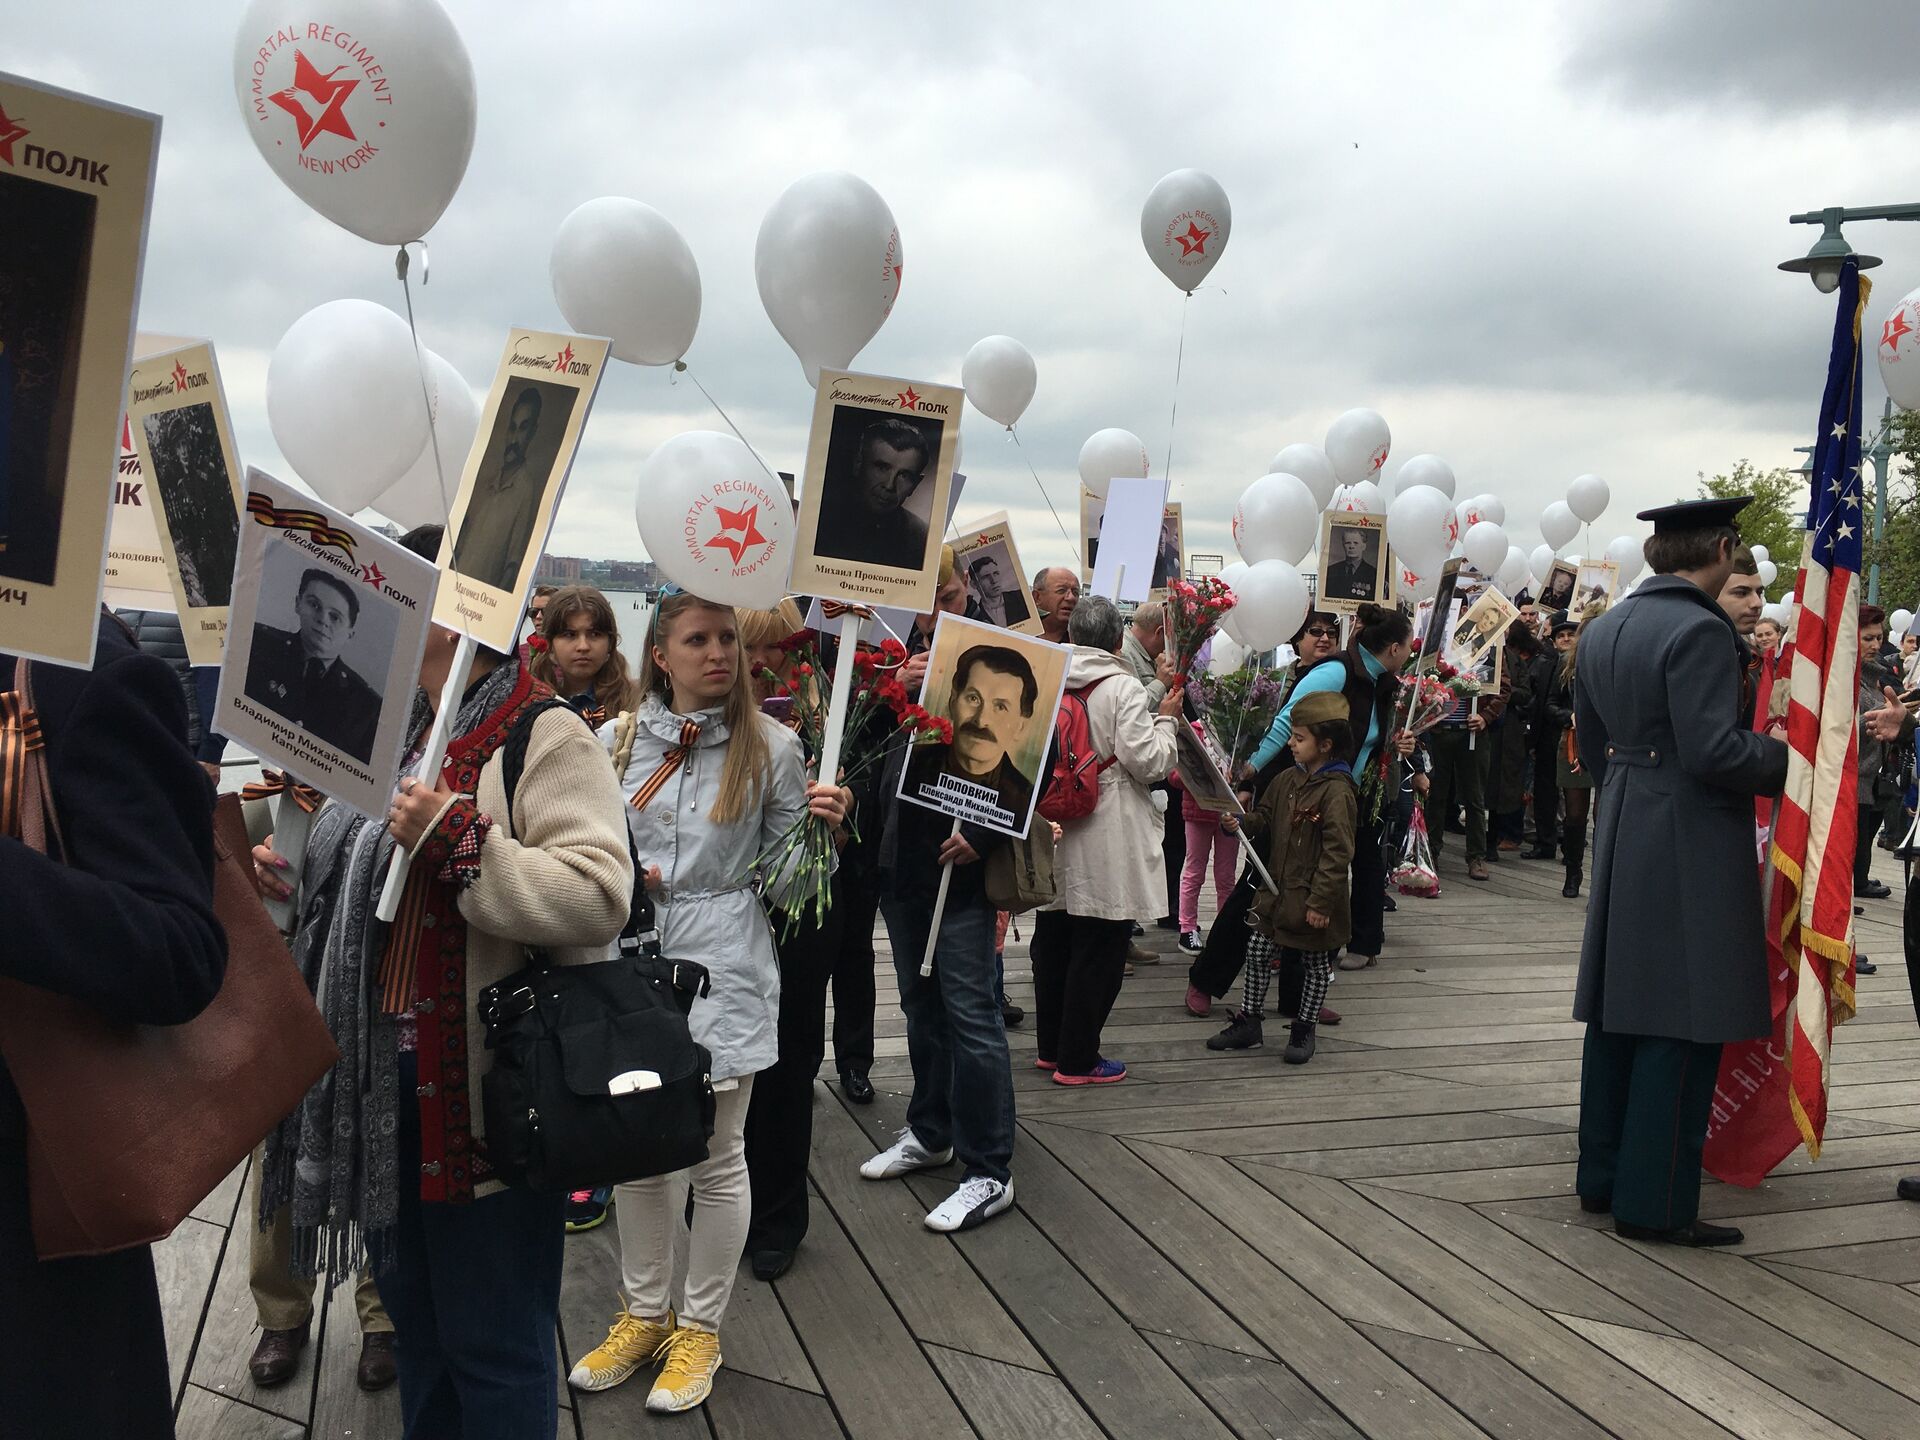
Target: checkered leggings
{"points": [[1259, 975]]}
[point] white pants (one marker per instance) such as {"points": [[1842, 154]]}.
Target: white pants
{"points": [[651, 1215]]}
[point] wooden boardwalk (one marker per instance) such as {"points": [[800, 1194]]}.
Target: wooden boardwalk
{"points": [[1383, 1243]]}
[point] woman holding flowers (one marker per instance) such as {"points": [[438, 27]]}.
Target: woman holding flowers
{"points": [[711, 784]]}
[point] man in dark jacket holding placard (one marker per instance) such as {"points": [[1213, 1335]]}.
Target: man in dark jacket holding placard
{"points": [[1674, 963]]}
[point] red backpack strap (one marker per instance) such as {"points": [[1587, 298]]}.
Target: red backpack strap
{"points": [[1081, 695]]}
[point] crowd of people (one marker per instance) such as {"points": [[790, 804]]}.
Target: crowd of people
{"points": [[676, 779]]}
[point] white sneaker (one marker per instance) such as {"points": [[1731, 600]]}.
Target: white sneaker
{"points": [[976, 1201], [903, 1157]]}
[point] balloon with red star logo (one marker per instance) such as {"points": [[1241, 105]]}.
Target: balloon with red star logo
{"points": [[828, 264], [714, 521], [1900, 352], [1184, 226]]}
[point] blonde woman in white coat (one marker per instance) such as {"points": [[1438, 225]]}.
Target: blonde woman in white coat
{"points": [[1107, 866], [711, 784]]}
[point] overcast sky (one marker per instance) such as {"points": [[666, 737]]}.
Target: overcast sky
{"points": [[1539, 239]]}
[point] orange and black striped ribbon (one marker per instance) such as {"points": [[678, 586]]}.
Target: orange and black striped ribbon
{"points": [[834, 609], [272, 783], [689, 732], [19, 739]]}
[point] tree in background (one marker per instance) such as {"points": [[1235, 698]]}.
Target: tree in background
{"points": [[1899, 550], [1777, 517]]}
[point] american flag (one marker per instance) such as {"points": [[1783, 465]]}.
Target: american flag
{"points": [[1816, 827]]}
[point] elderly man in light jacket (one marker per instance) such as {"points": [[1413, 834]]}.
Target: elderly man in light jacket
{"points": [[1107, 866]]}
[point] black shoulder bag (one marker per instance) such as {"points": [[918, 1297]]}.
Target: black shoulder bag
{"points": [[596, 1078]]}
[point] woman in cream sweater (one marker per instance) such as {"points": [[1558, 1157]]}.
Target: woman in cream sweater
{"points": [[711, 785]]}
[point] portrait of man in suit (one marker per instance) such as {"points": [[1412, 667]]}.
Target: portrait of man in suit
{"points": [[1352, 564], [300, 676]]}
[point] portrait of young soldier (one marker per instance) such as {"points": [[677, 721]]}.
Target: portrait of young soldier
{"points": [[299, 674]]}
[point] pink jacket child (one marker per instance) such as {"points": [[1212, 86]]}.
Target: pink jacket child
{"points": [[1203, 835]]}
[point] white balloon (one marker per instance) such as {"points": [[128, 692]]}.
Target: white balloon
{"points": [[1587, 497], [1412, 585], [1900, 352], [828, 261], [1779, 611], [620, 269], [1760, 552], [1111, 454], [1485, 546], [1363, 498], [999, 377], [344, 401], [1512, 577], [1232, 575], [1558, 525], [714, 521], [1276, 519], [367, 117], [1898, 622], [1310, 463], [1273, 603], [424, 495], [1418, 523], [1485, 507], [1425, 470], [1357, 444], [1629, 554], [1769, 572], [1184, 225], [1540, 563]]}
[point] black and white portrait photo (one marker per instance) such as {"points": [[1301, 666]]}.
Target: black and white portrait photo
{"points": [[1167, 563], [1353, 554], [189, 473], [320, 650], [989, 562], [877, 464], [1557, 593], [516, 472]]}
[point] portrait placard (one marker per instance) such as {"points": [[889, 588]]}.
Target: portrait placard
{"points": [[1202, 773], [1167, 556], [879, 470], [1354, 563], [1595, 584], [184, 439], [136, 570], [328, 622], [1442, 606], [529, 432], [1480, 628], [1000, 689], [1557, 593], [1127, 531], [986, 557], [74, 200]]}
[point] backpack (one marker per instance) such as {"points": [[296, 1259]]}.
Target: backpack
{"points": [[1073, 789], [1018, 876]]}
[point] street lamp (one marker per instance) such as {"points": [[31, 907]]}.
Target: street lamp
{"points": [[1823, 261]]}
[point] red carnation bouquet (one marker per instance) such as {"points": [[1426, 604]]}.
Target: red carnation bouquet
{"points": [[803, 856], [1194, 610]]}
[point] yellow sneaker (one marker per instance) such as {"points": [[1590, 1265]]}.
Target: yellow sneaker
{"points": [[629, 1345], [687, 1378]]}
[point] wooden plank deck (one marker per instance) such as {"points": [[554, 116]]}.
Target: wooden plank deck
{"points": [[1381, 1244]]}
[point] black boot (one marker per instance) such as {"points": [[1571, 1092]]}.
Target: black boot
{"points": [[1575, 854], [1299, 1043]]}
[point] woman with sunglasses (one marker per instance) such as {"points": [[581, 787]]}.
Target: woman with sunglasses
{"points": [[712, 784]]}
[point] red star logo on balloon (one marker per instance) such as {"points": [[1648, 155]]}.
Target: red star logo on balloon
{"points": [[10, 131], [179, 376], [564, 358], [746, 522], [909, 398], [1891, 332], [1194, 242], [370, 573], [327, 94]]}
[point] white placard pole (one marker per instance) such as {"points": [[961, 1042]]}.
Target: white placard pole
{"points": [[1253, 858], [939, 909], [430, 762], [834, 737], [292, 823]]}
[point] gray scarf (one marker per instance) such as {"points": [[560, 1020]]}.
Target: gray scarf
{"points": [[335, 1159]]}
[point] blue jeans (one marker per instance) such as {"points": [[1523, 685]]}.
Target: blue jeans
{"points": [[962, 1079], [474, 1292]]}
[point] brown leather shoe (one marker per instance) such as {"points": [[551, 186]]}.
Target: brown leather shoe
{"points": [[376, 1369], [1477, 870], [277, 1355]]}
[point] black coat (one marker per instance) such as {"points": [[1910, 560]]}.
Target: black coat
{"points": [[127, 924], [1675, 943]]}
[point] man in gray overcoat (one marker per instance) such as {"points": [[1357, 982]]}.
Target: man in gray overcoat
{"points": [[1674, 962]]}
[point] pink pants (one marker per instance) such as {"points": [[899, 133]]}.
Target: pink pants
{"points": [[1203, 835]]}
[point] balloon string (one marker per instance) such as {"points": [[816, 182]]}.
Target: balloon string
{"points": [[1071, 545], [400, 266], [681, 368], [1179, 364]]}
